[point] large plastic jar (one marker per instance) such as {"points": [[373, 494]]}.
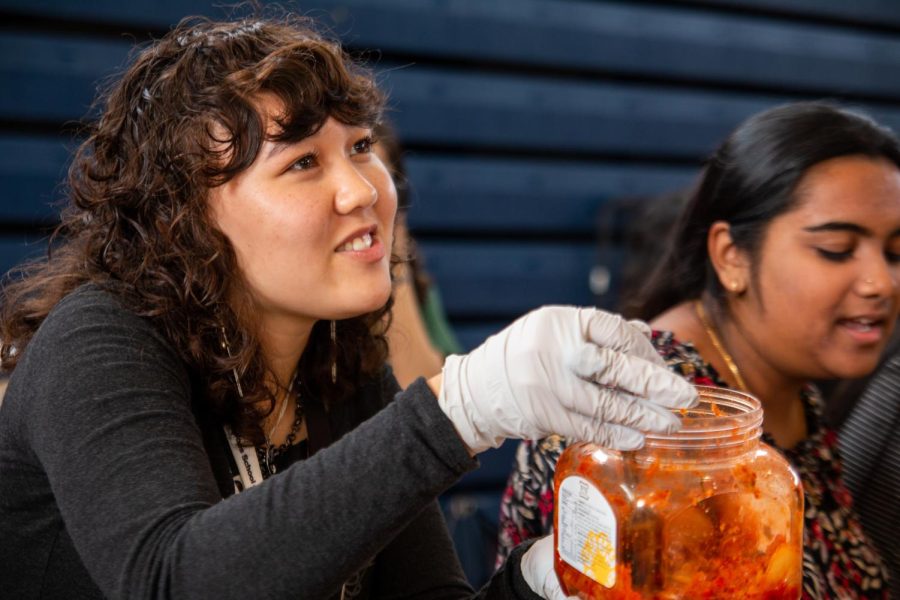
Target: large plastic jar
{"points": [[707, 512]]}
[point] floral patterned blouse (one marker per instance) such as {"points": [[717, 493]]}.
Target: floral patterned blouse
{"points": [[838, 560]]}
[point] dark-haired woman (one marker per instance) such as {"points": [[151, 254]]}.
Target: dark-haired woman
{"points": [[198, 406], [783, 268]]}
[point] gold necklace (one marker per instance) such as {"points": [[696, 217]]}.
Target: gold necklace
{"points": [[714, 338]]}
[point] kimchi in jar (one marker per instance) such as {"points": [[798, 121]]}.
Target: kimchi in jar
{"points": [[707, 512]]}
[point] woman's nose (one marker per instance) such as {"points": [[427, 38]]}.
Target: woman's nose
{"points": [[353, 190], [878, 278]]}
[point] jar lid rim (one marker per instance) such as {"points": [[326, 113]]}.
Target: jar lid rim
{"points": [[721, 412]]}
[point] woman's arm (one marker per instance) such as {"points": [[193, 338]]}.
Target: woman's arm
{"points": [[110, 421]]}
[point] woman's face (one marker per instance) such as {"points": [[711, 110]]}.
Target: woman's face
{"points": [[825, 296], [311, 223]]}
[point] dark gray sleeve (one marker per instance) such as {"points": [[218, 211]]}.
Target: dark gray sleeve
{"points": [[109, 419]]}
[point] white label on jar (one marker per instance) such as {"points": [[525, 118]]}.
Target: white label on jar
{"points": [[587, 530]]}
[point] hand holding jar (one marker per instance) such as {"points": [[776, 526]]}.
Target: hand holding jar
{"points": [[578, 372]]}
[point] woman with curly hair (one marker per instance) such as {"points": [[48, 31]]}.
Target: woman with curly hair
{"points": [[199, 405]]}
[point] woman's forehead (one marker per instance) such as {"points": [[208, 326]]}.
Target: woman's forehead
{"points": [[848, 189]]}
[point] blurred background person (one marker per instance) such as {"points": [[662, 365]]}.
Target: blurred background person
{"points": [[419, 336]]}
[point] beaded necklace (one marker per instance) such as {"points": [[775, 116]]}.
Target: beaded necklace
{"points": [[268, 453]]}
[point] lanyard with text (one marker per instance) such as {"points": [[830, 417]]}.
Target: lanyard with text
{"points": [[246, 460], [245, 457]]}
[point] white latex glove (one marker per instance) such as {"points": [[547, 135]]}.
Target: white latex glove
{"points": [[578, 372], [537, 570]]}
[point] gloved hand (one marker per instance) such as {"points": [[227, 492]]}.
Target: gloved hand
{"points": [[578, 372], [537, 570]]}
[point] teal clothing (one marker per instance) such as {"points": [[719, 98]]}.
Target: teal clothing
{"points": [[439, 331]]}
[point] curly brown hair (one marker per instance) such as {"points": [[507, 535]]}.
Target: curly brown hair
{"points": [[182, 119]]}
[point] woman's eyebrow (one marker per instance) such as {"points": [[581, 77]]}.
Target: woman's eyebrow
{"points": [[277, 148], [838, 226], [845, 226]]}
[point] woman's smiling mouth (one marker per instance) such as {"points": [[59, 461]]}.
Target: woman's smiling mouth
{"points": [[362, 242]]}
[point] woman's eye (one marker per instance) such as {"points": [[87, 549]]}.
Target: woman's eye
{"points": [[305, 162], [363, 146], [835, 255], [892, 257]]}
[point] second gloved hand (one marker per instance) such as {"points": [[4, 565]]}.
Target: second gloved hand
{"points": [[578, 372], [538, 573]]}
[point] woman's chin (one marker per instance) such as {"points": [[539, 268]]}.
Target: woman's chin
{"points": [[374, 300], [854, 368]]}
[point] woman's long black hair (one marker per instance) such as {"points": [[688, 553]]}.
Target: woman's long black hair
{"points": [[749, 181]]}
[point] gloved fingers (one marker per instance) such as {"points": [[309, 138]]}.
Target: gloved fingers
{"points": [[612, 331], [641, 326], [604, 404], [633, 375], [609, 435], [647, 332]]}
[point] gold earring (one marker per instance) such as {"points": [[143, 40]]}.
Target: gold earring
{"points": [[333, 352]]}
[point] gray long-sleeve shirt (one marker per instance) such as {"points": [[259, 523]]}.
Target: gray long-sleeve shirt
{"points": [[107, 488]]}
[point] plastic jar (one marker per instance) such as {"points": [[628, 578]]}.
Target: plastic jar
{"points": [[707, 512]]}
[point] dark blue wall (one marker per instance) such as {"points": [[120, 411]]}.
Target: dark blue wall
{"points": [[522, 118]]}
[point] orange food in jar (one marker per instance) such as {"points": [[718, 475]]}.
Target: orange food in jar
{"points": [[709, 512]]}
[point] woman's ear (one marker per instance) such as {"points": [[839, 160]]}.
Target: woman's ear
{"points": [[730, 262]]}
